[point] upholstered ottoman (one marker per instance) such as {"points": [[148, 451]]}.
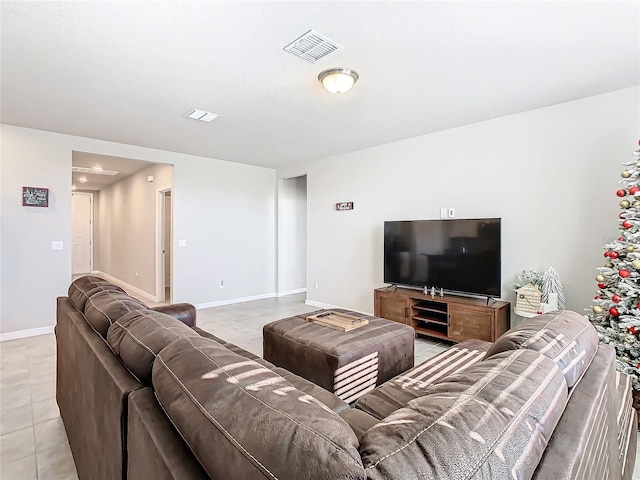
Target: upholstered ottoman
{"points": [[348, 364]]}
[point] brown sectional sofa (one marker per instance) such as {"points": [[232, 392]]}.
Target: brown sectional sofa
{"points": [[147, 394]]}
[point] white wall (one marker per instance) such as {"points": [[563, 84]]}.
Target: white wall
{"points": [[225, 212], [128, 208], [292, 234], [551, 174], [32, 274]]}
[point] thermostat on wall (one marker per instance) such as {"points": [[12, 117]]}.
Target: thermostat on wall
{"points": [[344, 206]]}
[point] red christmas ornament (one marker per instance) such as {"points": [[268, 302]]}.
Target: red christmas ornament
{"points": [[621, 239], [614, 255], [624, 273], [602, 285], [633, 330], [621, 193], [607, 253], [627, 224], [633, 190], [638, 306], [614, 311], [616, 299]]}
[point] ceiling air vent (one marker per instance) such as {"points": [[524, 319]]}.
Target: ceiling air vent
{"points": [[312, 46], [201, 115], [95, 171]]}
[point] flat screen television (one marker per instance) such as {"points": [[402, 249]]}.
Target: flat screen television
{"points": [[457, 255]]}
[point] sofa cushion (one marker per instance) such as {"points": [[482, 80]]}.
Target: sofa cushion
{"points": [[394, 394], [138, 336], [565, 337], [84, 287], [583, 444], [104, 308], [627, 423], [493, 420], [323, 396], [260, 424]]}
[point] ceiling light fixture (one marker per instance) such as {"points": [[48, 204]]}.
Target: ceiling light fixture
{"points": [[82, 179], [338, 79], [93, 170]]}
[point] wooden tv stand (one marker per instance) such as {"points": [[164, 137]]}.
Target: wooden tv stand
{"points": [[450, 317]]}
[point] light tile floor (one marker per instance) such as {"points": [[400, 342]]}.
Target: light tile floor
{"points": [[33, 443]]}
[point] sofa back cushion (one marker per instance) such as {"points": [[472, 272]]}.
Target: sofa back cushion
{"points": [[104, 308], [489, 421], [84, 287], [138, 336], [565, 337], [242, 420]]}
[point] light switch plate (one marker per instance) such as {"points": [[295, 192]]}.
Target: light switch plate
{"points": [[443, 212], [182, 243], [56, 245]]}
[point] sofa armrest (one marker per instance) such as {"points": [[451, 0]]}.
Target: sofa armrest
{"points": [[185, 312]]}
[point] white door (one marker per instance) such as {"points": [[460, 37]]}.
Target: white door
{"points": [[81, 254]]}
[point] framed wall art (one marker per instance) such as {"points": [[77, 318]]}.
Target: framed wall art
{"points": [[35, 197]]}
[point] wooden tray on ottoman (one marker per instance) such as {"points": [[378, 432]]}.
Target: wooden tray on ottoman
{"points": [[338, 321]]}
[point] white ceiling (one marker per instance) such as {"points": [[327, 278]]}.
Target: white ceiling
{"points": [[127, 71], [124, 166]]}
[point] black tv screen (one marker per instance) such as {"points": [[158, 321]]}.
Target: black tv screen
{"points": [[457, 255]]}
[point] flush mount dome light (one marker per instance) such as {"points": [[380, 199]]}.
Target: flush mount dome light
{"points": [[338, 79]]}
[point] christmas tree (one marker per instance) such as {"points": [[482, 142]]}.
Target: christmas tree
{"points": [[616, 309]]}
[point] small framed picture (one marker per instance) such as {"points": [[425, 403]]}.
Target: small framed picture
{"points": [[35, 197]]}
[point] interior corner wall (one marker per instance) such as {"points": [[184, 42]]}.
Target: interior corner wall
{"points": [[225, 213], [550, 174], [128, 208], [292, 234]]}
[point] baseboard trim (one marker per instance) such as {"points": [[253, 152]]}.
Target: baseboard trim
{"points": [[326, 306], [291, 292], [231, 301], [126, 286], [32, 332], [329, 306]]}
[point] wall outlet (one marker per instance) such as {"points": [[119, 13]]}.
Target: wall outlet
{"points": [[443, 212], [221, 284], [452, 212], [316, 286]]}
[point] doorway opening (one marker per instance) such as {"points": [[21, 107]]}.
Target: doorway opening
{"points": [[164, 244], [81, 233], [292, 235]]}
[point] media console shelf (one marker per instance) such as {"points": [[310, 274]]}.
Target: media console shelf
{"points": [[450, 317]]}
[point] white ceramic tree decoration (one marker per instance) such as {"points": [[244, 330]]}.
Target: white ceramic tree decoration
{"points": [[552, 287]]}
